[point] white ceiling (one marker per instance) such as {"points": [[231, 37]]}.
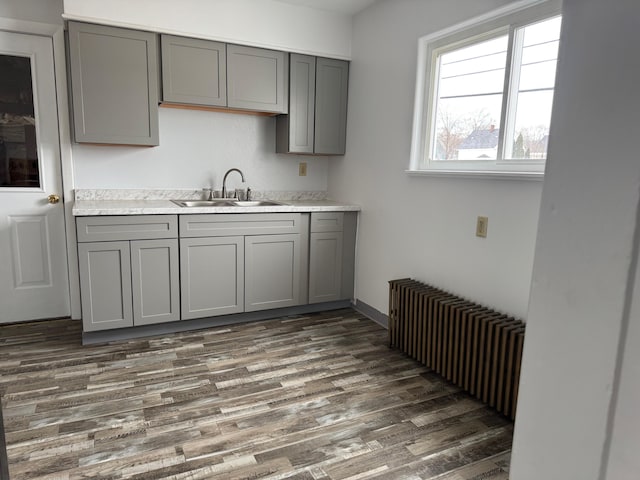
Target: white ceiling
{"points": [[348, 7]]}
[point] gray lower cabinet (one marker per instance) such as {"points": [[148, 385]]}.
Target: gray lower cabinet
{"points": [[194, 71], [105, 285], [317, 118], [136, 270], [272, 271], [332, 256], [114, 84], [325, 256], [155, 281], [128, 277], [257, 79], [212, 271], [325, 266], [233, 263]]}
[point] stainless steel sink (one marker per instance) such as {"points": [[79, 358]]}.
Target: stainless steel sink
{"points": [[255, 203], [220, 202], [225, 202]]}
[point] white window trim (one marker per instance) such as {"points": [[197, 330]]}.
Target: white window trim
{"points": [[515, 14]]}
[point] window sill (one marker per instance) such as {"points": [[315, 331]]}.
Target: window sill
{"points": [[496, 175]]}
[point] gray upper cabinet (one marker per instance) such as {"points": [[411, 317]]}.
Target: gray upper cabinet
{"points": [[257, 79], [296, 130], [332, 85], [194, 71], [114, 84], [317, 119]]}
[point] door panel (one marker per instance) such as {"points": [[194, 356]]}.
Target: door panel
{"points": [[105, 277], [302, 108], [332, 84], [272, 271], [212, 276], [194, 71], [257, 79], [30, 251], [325, 267], [33, 262], [155, 281]]}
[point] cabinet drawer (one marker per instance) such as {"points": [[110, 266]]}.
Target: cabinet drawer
{"points": [[224, 224], [142, 227], [326, 222]]}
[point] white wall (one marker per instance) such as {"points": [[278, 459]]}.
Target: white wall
{"points": [[196, 149], [265, 23], [424, 227], [32, 10], [581, 283], [624, 461]]}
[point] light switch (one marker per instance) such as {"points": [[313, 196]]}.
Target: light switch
{"points": [[302, 169]]}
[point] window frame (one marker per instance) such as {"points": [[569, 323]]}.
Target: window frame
{"points": [[504, 21]]}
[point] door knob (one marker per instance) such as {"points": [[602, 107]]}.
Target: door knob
{"points": [[53, 198]]}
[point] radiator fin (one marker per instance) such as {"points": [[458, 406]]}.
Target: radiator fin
{"points": [[474, 347]]}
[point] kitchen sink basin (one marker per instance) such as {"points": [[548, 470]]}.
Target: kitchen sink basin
{"points": [[225, 202], [255, 203], [220, 202]]}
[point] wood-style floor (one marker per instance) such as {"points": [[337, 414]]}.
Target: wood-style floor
{"points": [[307, 397]]}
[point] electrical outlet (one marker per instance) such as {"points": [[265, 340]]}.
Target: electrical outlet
{"points": [[302, 169], [481, 227]]}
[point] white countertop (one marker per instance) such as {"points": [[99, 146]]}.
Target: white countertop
{"points": [[156, 207]]}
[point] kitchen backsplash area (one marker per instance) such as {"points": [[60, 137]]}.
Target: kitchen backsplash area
{"points": [[195, 151], [190, 194]]}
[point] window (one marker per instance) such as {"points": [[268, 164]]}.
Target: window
{"points": [[484, 94], [19, 166]]}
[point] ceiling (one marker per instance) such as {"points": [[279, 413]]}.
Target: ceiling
{"points": [[348, 7]]}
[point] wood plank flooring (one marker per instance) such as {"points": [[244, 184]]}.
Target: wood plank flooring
{"points": [[306, 397]]}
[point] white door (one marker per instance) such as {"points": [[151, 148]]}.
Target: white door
{"points": [[33, 260]]}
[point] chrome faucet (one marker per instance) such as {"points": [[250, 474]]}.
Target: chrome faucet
{"points": [[224, 180]]}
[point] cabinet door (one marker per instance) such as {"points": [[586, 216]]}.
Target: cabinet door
{"points": [[332, 83], [212, 276], [155, 281], [295, 131], [194, 71], [105, 283], [257, 79], [272, 271], [114, 84], [325, 267]]}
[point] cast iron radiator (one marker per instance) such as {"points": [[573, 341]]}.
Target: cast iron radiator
{"points": [[474, 347]]}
